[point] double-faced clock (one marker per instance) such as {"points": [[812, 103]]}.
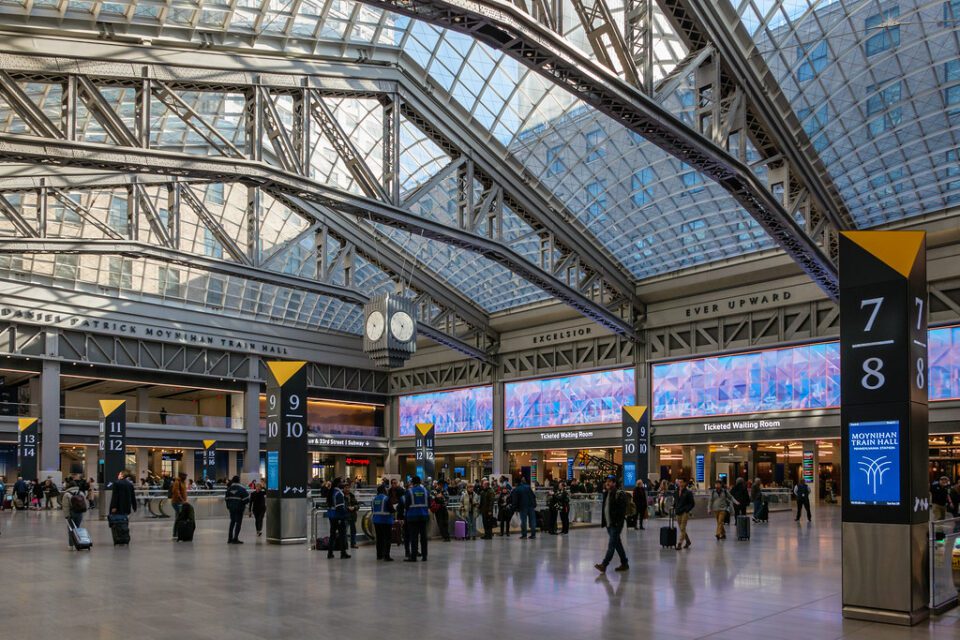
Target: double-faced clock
{"points": [[389, 330]]}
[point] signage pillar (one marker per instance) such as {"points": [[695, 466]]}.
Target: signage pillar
{"points": [[884, 446], [208, 460], [424, 446], [28, 440], [636, 445], [287, 452], [113, 448]]}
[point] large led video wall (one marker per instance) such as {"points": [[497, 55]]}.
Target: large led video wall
{"points": [[790, 379], [583, 399], [457, 411]]}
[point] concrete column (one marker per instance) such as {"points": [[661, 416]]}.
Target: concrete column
{"points": [[391, 429], [90, 461], [142, 461], [232, 464], [501, 463], [50, 418], [143, 406], [250, 418]]}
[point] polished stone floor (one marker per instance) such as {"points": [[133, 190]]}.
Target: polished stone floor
{"points": [[783, 584]]}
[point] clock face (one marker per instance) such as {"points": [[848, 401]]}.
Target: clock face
{"points": [[375, 326], [401, 326]]}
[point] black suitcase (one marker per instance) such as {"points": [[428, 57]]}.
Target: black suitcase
{"points": [[119, 528], [185, 529], [763, 513], [743, 527], [668, 534]]}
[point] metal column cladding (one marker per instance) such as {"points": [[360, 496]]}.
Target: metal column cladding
{"points": [[884, 448], [636, 444], [113, 441], [287, 452], [28, 440], [424, 447], [209, 460]]}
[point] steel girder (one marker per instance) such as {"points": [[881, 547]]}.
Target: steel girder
{"points": [[28, 149], [717, 24], [506, 28], [131, 249]]}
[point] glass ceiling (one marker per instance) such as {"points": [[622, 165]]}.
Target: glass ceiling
{"points": [[876, 86]]}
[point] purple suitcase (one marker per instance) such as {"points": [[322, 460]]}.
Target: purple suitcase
{"points": [[460, 530]]}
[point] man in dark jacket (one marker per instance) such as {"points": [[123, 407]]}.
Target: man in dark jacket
{"points": [[683, 504], [236, 498], [614, 512], [21, 490], [525, 504], [124, 499], [488, 498]]}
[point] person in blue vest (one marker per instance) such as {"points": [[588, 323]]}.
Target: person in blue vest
{"points": [[417, 501], [383, 522], [337, 514]]}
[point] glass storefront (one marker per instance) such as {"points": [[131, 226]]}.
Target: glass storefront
{"points": [[552, 465], [337, 418]]}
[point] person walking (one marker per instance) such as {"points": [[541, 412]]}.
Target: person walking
{"points": [[720, 504], [563, 508], [683, 504], [77, 506], [37, 488], [438, 505], [802, 491], [756, 497], [525, 503], [178, 497], [258, 505], [663, 493], [123, 500], [469, 508], [939, 499], [488, 498], [353, 508], [337, 515], [504, 510], [236, 498], [741, 498], [614, 511], [21, 493], [640, 502], [51, 492], [417, 501], [382, 511], [553, 512]]}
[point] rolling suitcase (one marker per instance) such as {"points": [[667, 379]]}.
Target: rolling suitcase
{"points": [[460, 530], [119, 528], [668, 534], [396, 533], [743, 527], [186, 523], [763, 513], [79, 536]]}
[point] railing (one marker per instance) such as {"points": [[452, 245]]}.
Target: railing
{"points": [[156, 417], [944, 564]]}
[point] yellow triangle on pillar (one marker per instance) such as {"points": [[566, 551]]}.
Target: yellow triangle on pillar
{"points": [[636, 412], [209, 443], [26, 423], [109, 406], [896, 249], [423, 427], [283, 370]]}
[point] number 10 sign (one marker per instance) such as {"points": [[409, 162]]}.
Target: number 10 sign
{"points": [[287, 428]]}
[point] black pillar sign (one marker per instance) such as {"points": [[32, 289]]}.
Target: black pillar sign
{"points": [[209, 460], [28, 441], [636, 444], [424, 449], [113, 441], [287, 450], [884, 422]]}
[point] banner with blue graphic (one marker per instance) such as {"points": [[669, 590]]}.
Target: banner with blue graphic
{"points": [[874, 449]]}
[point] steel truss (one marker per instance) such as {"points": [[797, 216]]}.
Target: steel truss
{"points": [[573, 269], [506, 28]]}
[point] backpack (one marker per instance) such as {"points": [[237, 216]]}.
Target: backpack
{"points": [[78, 503]]}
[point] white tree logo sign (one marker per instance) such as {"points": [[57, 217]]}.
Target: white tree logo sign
{"points": [[874, 470]]}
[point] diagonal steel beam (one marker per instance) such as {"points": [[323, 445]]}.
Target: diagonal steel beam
{"points": [[24, 107], [84, 213], [210, 222], [16, 218], [29, 149], [719, 23], [506, 28], [104, 113], [132, 249]]}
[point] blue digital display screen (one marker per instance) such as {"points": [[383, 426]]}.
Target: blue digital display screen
{"points": [[460, 471], [700, 471], [569, 469], [629, 474], [582, 399], [273, 470], [874, 453], [457, 411]]}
